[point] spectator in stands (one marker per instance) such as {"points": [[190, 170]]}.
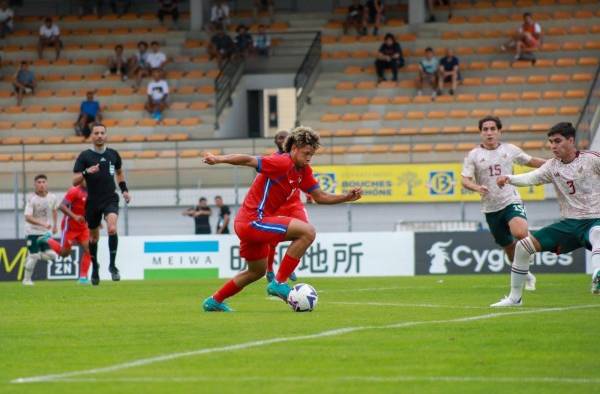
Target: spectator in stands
{"points": [[117, 64], [23, 82], [120, 7], [6, 19], [526, 40], [428, 72], [243, 41], [375, 14], [89, 113], [138, 64], [158, 92], [221, 46], [49, 37], [219, 15], [263, 5], [262, 41], [356, 17], [90, 7], [389, 56], [168, 7], [448, 71], [201, 214], [156, 58], [431, 4], [224, 216]]}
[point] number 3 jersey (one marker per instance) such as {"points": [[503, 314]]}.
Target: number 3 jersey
{"points": [[485, 165], [577, 184]]}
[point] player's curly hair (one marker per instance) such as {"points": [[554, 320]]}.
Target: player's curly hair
{"points": [[302, 136], [490, 118]]}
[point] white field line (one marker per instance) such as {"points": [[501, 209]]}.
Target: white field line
{"points": [[375, 379], [407, 305], [260, 343]]}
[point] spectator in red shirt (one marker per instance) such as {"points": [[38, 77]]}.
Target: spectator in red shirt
{"points": [[526, 40]]}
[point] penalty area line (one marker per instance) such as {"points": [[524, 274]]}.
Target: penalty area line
{"points": [[265, 342]]}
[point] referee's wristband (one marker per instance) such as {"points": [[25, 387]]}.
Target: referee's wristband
{"points": [[123, 187]]}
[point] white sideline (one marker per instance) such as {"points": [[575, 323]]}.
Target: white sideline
{"points": [[291, 379], [251, 344], [413, 305]]}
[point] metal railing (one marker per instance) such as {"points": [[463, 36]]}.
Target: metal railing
{"points": [[306, 75], [589, 119], [225, 85]]}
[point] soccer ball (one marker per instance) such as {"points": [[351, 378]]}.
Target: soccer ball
{"points": [[303, 298]]}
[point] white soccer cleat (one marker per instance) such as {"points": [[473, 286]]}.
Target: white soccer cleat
{"points": [[596, 282], [27, 282], [507, 301], [530, 282]]}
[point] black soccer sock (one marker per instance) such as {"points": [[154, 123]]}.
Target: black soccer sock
{"points": [[94, 254], [113, 243]]}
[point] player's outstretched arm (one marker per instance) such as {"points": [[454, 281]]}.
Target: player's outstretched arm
{"points": [[469, 184], [233, 159], [322, 197], [535, 177], [536, 162]]}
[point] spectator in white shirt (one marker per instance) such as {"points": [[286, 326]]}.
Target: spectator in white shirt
{"points": [[49, 37], [158, 92], [155, 58], [219, 15], [6, 19]]}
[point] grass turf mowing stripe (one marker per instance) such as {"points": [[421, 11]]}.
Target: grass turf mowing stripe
{"points": [[182, 273], [259, 343]]}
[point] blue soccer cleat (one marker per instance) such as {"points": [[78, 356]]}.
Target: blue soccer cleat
{"points": [[270, 276], [280, 290], [293, 277], [83, 281], [211, 305]]}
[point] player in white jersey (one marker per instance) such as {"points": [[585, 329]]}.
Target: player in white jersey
{"points": [[40, 218], [503, 208], [576, 179]]}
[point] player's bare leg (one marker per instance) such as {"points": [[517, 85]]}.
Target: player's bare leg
{"points": [[519, 228], [93, 247], [113, 244], [302, 236], [524, 249]]}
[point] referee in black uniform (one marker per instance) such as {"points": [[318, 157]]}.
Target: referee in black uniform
{"points": [[98, 167]]}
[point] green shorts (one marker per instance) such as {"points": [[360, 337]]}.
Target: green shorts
{"points": [[566, 235], [498, 222], [32, 245]]}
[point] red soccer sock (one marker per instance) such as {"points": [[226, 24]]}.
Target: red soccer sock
{"points": [[271, 258], [287, 266], [229, 289], [54, 245], [86, 260]]}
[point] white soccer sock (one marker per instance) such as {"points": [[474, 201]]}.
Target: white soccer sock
{"points": [[595, 241], [520, 268], [30, 263]]}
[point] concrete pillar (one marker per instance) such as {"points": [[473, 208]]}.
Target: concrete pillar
{"points": [[196, 15], [417, 11]]}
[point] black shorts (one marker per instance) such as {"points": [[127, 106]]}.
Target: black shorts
{"points": [[95, 211]]}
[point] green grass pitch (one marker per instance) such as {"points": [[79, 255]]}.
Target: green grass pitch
{"points": [[367, 335]]}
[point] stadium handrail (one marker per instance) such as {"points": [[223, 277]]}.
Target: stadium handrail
{"points": [[306, 76], [589, 119], [225, 84]]}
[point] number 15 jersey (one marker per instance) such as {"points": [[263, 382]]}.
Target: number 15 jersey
{"points": [[485, 165]]}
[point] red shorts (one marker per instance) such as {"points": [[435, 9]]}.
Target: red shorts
{"points": [[74, 235], [257, 236], [294, 212]]}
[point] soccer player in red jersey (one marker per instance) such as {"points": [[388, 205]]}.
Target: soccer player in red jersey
{"points": [[74, 228], [293, 208], [257, 224]]}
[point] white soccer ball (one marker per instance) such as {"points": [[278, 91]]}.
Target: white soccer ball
{"points": [[303, 298]]}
